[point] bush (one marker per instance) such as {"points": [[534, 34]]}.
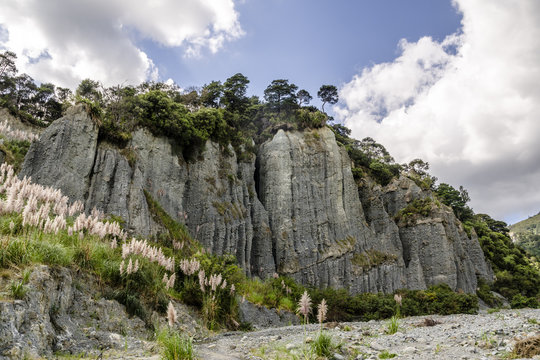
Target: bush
{"points": [[439, 299], [175, 346], [15, 151], [519, 302], [483, 292], [307, 118], [417, 208]]}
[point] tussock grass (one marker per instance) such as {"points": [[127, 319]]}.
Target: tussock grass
{"points": [[175, 346]]}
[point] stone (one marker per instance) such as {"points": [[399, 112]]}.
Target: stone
{"points": [[376, 346], [409, 350], [260, 317], [291, 346]]}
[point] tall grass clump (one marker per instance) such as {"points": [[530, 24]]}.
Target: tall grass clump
{"points": [[393, 325], [323, 345], [175, 346]]}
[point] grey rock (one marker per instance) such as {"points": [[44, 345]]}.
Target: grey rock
{"points": [[294, 209], [59, 314], [64, 155], [376, 346], [260, 317]]}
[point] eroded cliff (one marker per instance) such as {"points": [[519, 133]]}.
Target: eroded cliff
{"points": [[294, 208]]}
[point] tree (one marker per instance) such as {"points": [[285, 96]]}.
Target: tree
{"points": [[89, 89], [418, 171], [211, 94], [234, 93], [7, 64], [8, 71], [457, 200], [280, 94], [64, 95], [328, 94], [303, 97], [373, 150], [25, 89], [190, 98]]}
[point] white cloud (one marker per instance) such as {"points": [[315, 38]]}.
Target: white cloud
{"points": [[63, 41], [469, 106]]}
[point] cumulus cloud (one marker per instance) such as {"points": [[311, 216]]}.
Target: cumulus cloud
{"points": [[63, 41], [468, 105]]}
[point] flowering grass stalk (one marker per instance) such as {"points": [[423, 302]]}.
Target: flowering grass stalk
{"points": [[322, 309]]}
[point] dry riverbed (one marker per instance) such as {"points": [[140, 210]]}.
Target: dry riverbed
{"points": [[484, 336]]}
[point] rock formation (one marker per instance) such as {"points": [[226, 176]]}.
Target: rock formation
{"points": [[294, 208]]}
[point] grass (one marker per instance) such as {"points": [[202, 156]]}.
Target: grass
{"points": [[386, 355], [393, 325], [176, 231], [528, 347], [15, 151], [323, 345], [175, 346]]}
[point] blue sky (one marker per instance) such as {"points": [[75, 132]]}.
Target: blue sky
{"points": [[309, 42], [452, 82]]}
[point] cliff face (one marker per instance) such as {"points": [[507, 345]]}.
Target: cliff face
{"points": [[294, 208]]}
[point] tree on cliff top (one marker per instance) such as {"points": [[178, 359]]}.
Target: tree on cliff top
{"points": [[281, 95], [328, 94]]}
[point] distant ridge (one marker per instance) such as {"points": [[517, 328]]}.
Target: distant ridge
{"points": [[527, 234]]}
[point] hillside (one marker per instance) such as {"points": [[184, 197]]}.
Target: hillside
{"points": [[526, 233]]}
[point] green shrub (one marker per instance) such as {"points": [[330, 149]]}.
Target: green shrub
{"points": [[175, 346], [18, 289], [439, 299], [483, 291], [381, 172], [114, 132], [417, 208], [15, 151], [519, 301], [310, 119]]}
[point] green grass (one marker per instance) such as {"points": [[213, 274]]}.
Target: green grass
{"points": [[176, 231], [323, 345], [386, 355], [393, 325], [175, 346], [15, 151], [18, 290]]}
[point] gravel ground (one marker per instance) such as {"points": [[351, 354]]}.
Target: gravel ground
{"points": [[484, 336]]}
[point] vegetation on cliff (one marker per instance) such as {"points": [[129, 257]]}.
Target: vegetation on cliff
{"points": [[516, 274]]}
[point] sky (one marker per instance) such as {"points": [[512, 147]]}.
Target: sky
{"points": [[455, 83]]}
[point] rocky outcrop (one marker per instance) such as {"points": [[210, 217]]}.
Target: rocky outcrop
{"points": [[260, 317], [319, 233], [61, 313], [294, 209]]}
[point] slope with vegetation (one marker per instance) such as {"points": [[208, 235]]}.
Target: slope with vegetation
{"points": [[526, 233]]}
